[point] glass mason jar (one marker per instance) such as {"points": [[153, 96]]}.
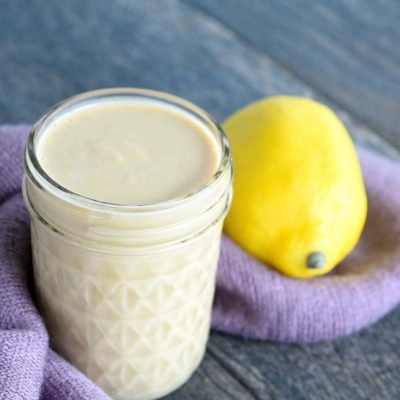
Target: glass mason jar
{"points": [[126, 291]]}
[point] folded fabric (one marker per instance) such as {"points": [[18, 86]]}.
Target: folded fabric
{"points": [[251, 299], [258, 302], [29, 369]]}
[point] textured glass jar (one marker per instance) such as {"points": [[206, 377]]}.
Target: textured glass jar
{"points": [[126, 291]]}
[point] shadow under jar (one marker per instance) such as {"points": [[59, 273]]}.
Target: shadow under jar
{"points": [[126, 290]]}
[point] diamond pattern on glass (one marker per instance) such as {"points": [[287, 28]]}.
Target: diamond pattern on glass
{"points": [[137, 326]]}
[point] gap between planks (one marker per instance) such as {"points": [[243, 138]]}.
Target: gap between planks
{"points": [[369, 133]]}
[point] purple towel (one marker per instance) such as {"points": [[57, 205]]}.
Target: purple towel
{"points": [[251, 300]]}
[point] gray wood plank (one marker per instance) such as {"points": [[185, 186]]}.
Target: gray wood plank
{"points": [[213, 381], [348, 50], [361, 366], [356, 367], [50, 50]]}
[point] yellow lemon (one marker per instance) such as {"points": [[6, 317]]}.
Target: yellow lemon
{"points": [[299, 199]]}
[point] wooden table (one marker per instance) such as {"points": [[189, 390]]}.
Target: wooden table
{"points": [[222, 54]]}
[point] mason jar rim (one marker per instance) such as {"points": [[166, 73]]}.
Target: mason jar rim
{"points": [[35, 171]]}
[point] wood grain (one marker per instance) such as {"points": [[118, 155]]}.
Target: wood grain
{"points": [[51, 50], [348, 50]]}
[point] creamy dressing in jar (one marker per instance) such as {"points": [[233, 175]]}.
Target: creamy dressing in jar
{"points": [[127, 191]]}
